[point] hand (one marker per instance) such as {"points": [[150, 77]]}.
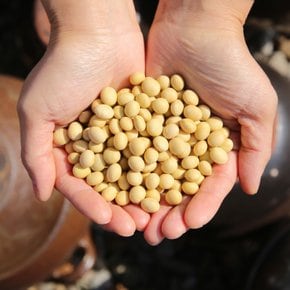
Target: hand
{"points": [[80, 60], [207, 47]]}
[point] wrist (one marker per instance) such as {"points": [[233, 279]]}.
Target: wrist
{"points": [[90, 16], [213, 13]]}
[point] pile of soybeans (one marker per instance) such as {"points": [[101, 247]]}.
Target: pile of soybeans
{"points": [[150, 142]]}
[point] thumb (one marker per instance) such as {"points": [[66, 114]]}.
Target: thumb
{"points": [[36, 153]]}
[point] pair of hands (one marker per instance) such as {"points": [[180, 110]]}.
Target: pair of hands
{"points": [[208, 50]]}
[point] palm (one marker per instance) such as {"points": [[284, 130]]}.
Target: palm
{"points": [[219, 67], [64, 83]]}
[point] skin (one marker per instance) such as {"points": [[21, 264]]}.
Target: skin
{"points": [[203, 41], [206, 45]]}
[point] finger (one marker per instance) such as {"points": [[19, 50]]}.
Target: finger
{"points": [[140, 217], [254, 154], [204, 205], [36, 153], [153, 232], [121, 222], [174, 225], [81, 195]]}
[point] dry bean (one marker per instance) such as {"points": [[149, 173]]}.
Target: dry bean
{"points": [[152, 181], [170, 165], [120, 141], [98, 135], [87, 158], [153, 193], [80, 172], [189, 162], [137, 78], [85, 116], [137, 147], [190, 97], [132, 109], [166, 181], [122, 198], [179, 148], [200, 148], [109, 193], [134, 178], [192, 112], [111, 155], [190, 188], [169, 94], [61, 137], [114, 172], [137, 194], [154, 127], [192, 175], [228, 145], [125, 98], [136, 163], [151, 87], [205, 168], [95, 178], [108, 96], [99, 163], [160, 143], [218, 155], [164, 81], [177, 82], [80, 146], [103, 112], [202, 131], [173, 197], [150, 205], [139, 123], [187, 125], [126, 124], [170, 131], [73, 157], [75, 130], [160, 106], [151, 155]]}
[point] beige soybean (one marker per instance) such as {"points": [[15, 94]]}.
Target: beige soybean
{"points": [[170, 165], [120, 141], [136, 163], [137, 78], [114, 126], [170, 131], [104, 112], [160, 143], [150, 205], [137, 147], [73, 157], [137, 194], [205, 157], [151, 155], [173, 120], [122, 198], [134, 178], [166, 181], [154, 127], [87, 158], [122, 91], [160, 106], [145, 114], [143, 100], [99, 163], [149, 167], [173, 197], [190, 97], [215, 123], [176, 108], [164, 81], [152, 181], [192, 112], [202, 131], [131, 135], [216, 138], [177, 82], [179, 147], [176, 185], [123, 182], [69, 147], [97, 135], [94, 121], [205, 110], [111, 155], [189, 188], [163, 156], [125, 98], [85, 134], [228, 145], [75, 130], [136, 90], [192, 175], [109, 193], [153, 193], [100, 187], [108, 96], [126, 124], [178, 173], [85, 116], [151, 87], [118, 112], [187, 125], [132, 109], [139, 123], [205, 168], [169, 94], [114, 172], [80, 172], [218, 155], [80, 146], [95, 178], [61, 137], [200, 148], [189, 162]]}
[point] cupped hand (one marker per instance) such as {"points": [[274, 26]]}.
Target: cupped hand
{"points": [[75, 67], [212, 56]]}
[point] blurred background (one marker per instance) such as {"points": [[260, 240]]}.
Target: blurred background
{"points": [[242, 255]]}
